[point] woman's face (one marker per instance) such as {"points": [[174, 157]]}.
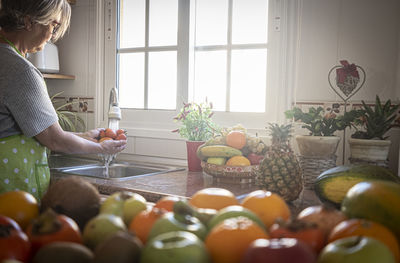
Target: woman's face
{"points": [[42, 34]]}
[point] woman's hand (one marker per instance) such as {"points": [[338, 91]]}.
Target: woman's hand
{"points": [[113, 146]]}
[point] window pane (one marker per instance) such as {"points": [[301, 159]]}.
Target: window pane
{"points": [[249, 21], [163, 22], [210, 78], [211, 22], [132, 23], [162, 80], [131, 80], [248, 84]]}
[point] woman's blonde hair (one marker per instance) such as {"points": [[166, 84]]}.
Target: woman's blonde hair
{"points": [[14, 12]]}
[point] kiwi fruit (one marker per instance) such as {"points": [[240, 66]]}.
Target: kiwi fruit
{"points": [[122, 247], [63, 252], [73, 197]]}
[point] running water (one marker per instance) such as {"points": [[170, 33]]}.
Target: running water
{"points": [[107, 159]]}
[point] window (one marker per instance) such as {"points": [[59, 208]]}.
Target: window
{"points": [[173, 51]]}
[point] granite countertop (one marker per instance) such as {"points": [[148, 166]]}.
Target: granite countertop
{"points": [[183, 184]]}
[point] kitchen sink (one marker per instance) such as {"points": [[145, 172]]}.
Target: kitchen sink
{"points": [[116, 170]]}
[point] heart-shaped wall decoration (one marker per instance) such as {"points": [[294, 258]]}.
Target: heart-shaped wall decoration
{"points": [[346, 80]]}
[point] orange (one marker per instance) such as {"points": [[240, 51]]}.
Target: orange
{"points": [[363, 227], [236, 139], [142, 222], [268, 206], [20, 206], [238, 161], [228, 241], [105, 139], [214, 198], [167, 203]]}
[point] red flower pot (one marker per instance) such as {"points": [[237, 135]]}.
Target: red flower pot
{"points": [[193, 161]]}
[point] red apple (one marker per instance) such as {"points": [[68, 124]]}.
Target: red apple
{"points": [[279, 250], [255, 158]]}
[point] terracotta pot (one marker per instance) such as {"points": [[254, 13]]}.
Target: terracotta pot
{"points": [[371, 150], [318, 146], [194, 163]]}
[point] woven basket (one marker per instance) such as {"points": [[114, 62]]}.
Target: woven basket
{"points": [[312, 167], [232, 172]]}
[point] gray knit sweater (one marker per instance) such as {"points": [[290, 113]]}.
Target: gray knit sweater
{"points": [[25, 105]]}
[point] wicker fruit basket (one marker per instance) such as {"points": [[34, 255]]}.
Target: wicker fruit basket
{"points": [[225, 171]]}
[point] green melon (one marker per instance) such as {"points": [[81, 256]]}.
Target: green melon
{"points": [[332, 185], [378, 201]]}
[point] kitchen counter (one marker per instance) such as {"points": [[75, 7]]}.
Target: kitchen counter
{"points": [[183, 184]]}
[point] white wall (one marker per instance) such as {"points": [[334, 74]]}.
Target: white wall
{"points": [[365, 32]]}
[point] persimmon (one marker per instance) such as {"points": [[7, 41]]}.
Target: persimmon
{"points": [[51, 227], [167, 203], [308, 232]]}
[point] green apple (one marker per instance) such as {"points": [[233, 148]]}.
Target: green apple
{"points": [[234, 211], [124, 204], [100, 227], [133, 206], [114, 204], [172, 221], [356, 249], [175, 247], [204, 214]]}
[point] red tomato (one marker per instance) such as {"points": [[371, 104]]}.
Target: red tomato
{"points": [[14, 244], [121, 136], [50, 227], [120, 131], [310, 233]]}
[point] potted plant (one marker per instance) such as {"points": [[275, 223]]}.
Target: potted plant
{"points": [[369, 142], [68, 120], [196, 127], [318, 149], [321, 124]]}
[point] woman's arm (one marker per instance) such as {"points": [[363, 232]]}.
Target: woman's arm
{"points": [[58, 140]]}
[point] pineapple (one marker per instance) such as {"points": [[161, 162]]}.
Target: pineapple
{"points": [[279, 171]]}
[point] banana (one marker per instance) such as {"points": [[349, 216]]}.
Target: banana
{"points": [[219, 151]]}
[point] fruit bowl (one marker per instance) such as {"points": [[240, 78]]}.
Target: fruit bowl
{"points": [[232, 173]]}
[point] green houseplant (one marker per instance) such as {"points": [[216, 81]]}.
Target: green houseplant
{"points": [[68, 120], [321, 124], [369, 142], [196, 127]]}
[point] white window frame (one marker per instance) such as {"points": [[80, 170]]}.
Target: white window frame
{"points": [[281, 73]]}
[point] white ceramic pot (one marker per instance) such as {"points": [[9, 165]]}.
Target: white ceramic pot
{"points": [[318, 146], [371, 150]]}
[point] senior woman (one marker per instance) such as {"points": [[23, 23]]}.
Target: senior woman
{"points": [[28, 120]]}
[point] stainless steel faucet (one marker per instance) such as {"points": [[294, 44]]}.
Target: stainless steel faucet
{"points": [[114, 112]]}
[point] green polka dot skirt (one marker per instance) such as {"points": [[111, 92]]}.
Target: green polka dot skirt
{"points": [[23, 165]]}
